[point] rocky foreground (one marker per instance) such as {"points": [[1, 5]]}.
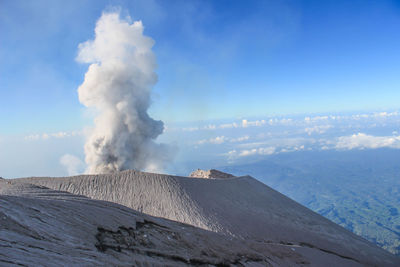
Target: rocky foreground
{"points": [[97, 220]]}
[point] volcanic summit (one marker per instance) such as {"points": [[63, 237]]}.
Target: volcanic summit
{"points": [[137, 218]]}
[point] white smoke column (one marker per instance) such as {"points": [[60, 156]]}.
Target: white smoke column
{"points": [[118, 84]]}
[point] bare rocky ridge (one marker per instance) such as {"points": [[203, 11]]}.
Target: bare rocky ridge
{"points": [[212, 174], [240, 208]]}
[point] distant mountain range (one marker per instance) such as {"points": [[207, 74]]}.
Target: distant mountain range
{"points": [[358, 189]]}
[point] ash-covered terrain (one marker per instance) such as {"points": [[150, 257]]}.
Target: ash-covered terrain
{"points": [[44, 227], [357, 189], [103, 220]]}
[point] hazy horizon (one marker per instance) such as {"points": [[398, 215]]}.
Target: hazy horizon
{"points": [[212, 143]]}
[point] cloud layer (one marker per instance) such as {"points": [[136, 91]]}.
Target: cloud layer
{"points": [[246, 139]]}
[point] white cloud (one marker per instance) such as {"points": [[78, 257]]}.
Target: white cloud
{"points": [[286, 121], [228, 125], [279, 142], [45, 136], [275, 121], [222, 139], [246, 123], [73, 164], [362, 141], [233, 154], [216, 140], [210, 127], [62, 134], [313, 120], [382, 115], [292, 149], [239, 139], [318, 118], [245, 153], [243, 124], [196, 128], [386, 114], [319, 129]]}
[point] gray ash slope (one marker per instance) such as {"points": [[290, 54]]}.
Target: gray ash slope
{"points": [[239, 207], [44, 227]]}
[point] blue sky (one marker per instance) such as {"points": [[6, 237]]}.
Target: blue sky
{"points": [[216, 60]]}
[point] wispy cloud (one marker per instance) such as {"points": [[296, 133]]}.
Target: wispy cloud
{"points": [[318, 118], [45, 136], [313, 124], [259, 151], [246, 123], [216, 140], [229, 125], [197, 128], [309, 121], [279, 142], [222, 139], [318, 129], [234, 154], [239, 139]]}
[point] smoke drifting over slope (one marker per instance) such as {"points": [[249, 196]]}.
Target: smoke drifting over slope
{"points": [[118, 85]]}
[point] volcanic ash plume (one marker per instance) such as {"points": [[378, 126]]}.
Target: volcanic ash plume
{"points": [[118, 85]]}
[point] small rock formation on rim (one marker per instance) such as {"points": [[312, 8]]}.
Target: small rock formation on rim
{"points": [[212, 174]]}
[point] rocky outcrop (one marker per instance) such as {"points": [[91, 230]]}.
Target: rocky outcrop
{"points": [[211, 174]]}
